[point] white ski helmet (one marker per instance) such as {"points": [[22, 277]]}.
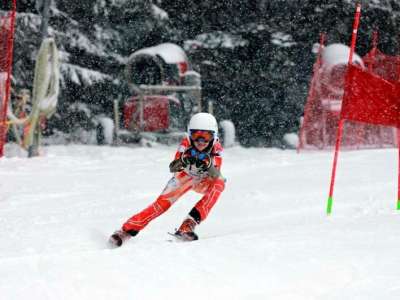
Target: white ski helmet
{"points": [[203, 121]]}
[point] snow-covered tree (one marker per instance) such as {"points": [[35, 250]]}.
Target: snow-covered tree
{"points": [[255, 57]]}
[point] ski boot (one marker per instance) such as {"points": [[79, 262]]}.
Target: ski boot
{"points": [[120, 236], [186, 231]]}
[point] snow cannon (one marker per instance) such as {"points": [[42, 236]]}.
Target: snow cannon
{"points": [[164, 93], [163, 64], [334, 60]]}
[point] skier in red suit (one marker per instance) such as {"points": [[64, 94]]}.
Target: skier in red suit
{"points": [[196, 167]]}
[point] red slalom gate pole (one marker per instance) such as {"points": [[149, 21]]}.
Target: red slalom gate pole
{"points": [[354, 33], [335, 160], [341, 121]]}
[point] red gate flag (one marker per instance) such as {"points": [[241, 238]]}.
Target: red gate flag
{"points": [[370, 99]]}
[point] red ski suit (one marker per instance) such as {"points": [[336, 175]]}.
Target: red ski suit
{"points": [[179, 184]]}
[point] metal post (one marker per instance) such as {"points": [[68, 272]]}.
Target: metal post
{"points": [[199, 99], [210, 107], [33, 149], [45, 7], [116, 122]]}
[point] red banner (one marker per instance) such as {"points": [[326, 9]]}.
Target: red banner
{"points": [[370, 99]]}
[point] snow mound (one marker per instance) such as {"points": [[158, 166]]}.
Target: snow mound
{"points": [[336, 54]]}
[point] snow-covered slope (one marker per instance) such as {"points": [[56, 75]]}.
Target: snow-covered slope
{"points": [[267, 238]]}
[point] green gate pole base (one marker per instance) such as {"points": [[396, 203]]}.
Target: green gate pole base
{"points": [[329, 206], [398, 204]]}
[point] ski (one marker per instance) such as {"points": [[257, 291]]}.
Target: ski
{"points": [[183, 237]]}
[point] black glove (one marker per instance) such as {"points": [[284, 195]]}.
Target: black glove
{"points": [[203, 162], [176, 166], [188, 157]]}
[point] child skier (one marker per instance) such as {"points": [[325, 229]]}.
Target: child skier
{"points": [[196, 167]]}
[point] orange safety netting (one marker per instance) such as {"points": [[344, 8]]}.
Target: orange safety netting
{"points": [[7, 19]]}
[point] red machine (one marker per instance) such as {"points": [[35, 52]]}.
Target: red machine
{"points": [[165, 93]]}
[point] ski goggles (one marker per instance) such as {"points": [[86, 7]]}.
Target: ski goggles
{"points": [[201, 136]]}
